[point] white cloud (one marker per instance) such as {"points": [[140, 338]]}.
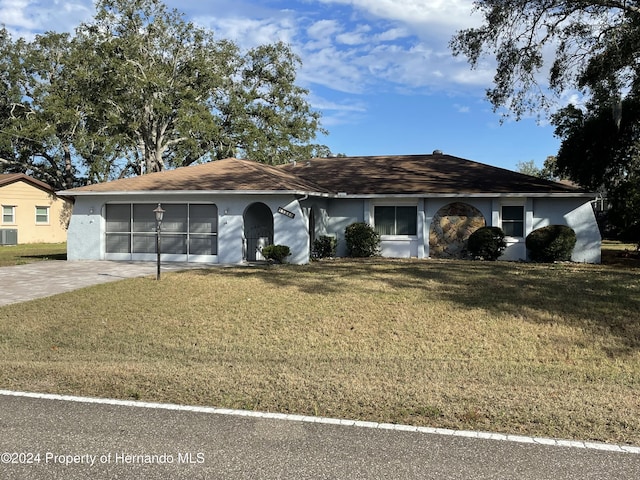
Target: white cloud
{"points": [[324, 29], [338, 113], [12, 13], [392, 34], [443, 14], [352, 38], [248, 32], [333, 68], [400, 42], [26, 18]]}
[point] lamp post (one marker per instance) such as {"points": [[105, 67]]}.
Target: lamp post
{"points": [[159, 214]]}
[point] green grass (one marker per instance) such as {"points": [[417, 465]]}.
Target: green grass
{"points": [[31, 252], [551, 350], [620, 254]]}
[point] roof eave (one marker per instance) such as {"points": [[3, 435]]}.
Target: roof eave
{"points": [[29, 180], [71, 193], [467, 195]]}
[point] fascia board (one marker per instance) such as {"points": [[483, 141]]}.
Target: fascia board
{"points": [[467, 195], [328, 195], [189, 192]]}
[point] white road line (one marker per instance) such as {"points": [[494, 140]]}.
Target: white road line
{"points": [[333, 421]]}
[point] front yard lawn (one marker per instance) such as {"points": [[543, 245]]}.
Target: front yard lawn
{"points": [[31, 252], [549, 350]]}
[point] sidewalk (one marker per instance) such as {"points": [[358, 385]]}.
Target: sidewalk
{"points": [[42, 279]]}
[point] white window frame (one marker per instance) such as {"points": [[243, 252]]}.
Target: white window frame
{"points": [[520, 205], [48, 212], [13, 215], [395, 204]]}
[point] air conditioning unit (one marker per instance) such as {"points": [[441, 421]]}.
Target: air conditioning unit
{"points": [[8, 236]]}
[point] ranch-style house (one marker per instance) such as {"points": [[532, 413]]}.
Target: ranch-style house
{"points": [[224, 212]]}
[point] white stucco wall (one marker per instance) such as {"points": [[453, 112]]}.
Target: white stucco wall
{"points": [[86, 234], [340, 214], [86, 237], [539, 212], [293, 232], [577, 214]]}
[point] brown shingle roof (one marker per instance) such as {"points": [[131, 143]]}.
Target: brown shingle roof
{"points": [[379, 175], [419, 174], [230, 174]]}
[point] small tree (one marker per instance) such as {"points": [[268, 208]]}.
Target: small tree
{"points": [[362, 240], [487, 243]]}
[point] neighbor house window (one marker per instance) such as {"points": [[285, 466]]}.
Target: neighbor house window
{"points": [[513, 221], [395, 220], [187, 229], [42, 215], [8, 214]]}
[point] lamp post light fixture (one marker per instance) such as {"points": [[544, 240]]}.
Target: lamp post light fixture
{"points": [[159, 214]]}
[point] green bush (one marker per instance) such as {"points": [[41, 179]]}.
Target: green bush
{"points": [[487, 243], [276, 253], [324, 247], [362, 240], [551, 244]]}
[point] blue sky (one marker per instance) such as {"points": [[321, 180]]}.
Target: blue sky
{"points": [[380, 71]]}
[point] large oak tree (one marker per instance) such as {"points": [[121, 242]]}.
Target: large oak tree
{"points": [[547, 50], [586, 45], [139, 89]]}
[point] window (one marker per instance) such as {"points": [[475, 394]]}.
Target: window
{"points": [[8, 214], [395, 220], [513, 221], [42, 215], [187, 229]]}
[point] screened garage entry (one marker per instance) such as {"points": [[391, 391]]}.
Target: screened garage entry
{"points": [[189, 232]]}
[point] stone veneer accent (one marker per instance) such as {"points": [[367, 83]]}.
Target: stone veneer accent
{"points": [[450, 229]]}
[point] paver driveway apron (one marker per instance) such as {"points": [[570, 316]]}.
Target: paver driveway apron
{"points": [[42, 279]]}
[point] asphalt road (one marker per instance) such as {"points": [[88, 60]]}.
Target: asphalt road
{"points": [[62, 439]]}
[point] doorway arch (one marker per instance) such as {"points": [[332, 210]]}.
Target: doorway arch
{"points": [[450, 229], [258, 230]]}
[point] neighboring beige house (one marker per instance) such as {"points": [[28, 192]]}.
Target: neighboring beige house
{"points": [[31, 211]]}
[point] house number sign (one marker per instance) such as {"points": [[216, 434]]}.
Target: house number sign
{"points": [[286, 213]]}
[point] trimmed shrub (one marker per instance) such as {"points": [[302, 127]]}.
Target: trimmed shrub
{"points": [[324, 247], [276, 253], [551, 244], [487, 243], [362, 240]]}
